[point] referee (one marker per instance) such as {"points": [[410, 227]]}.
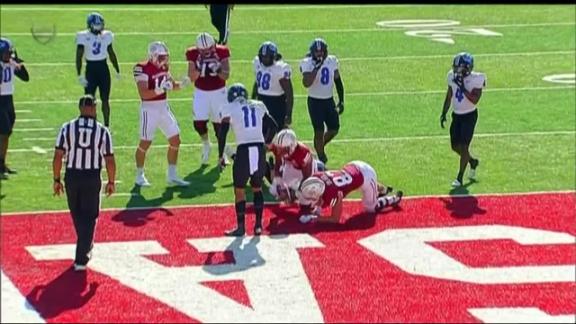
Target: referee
{"points": [[220, 17], [84, 143]]}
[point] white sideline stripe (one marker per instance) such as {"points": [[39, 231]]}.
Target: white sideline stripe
{"points": [[503, 194], [15, 307], [354, 94], [352, 140], [372, 58], [23, 111], [33, 129], [305, 31], [28, 120], [33, 139], [175, 8]]}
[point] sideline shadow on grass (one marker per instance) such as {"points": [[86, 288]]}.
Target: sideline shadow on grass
{"points": [[200, 184], [461, 204]]}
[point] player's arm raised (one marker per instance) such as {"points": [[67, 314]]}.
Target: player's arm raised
{"points": [[474, 95], [193, 72], [309, 77], [224, 70]]}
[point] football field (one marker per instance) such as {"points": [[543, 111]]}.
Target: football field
{"points": [[499, 248]]}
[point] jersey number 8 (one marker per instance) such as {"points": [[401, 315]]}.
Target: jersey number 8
{"points": [[263, 80], [340, 180]]}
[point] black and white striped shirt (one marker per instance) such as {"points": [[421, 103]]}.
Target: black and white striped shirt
{"points": [[85, 142]]}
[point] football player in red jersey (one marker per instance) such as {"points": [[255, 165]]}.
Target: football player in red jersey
{"points": [[294, 163], [328, 189], [154, 81], [208, 68]]}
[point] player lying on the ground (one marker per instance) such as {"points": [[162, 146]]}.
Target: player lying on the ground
{"points": [[328, 189], [294, 163]]}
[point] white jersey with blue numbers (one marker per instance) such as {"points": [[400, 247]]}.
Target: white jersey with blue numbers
{"points": [[323, 85], [7, 84], [246, 120], [461, 104], [268, 77], [95, 46]]}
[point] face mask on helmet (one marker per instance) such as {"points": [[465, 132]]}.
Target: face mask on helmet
{"points": [[205, 44], [5, 49], [463, 64], [237, 91], [95, 23], [319, 50], [268, 53], [158, 54]]}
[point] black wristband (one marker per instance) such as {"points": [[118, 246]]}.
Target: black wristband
{"points": [[57, 180]]}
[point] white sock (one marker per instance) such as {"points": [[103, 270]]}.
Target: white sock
{"points": [[139, 172], [172, 171], [206, 141]]}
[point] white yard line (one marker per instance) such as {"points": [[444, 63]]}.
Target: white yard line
{"points": [[23, 111], [41, 139], [344, 59], [299, 31], [349, 140], [33, 129], [504, 194], [152, 8], [354, 94], [28, 120], [14, 307]]}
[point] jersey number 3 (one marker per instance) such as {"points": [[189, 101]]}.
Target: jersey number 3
{"points": [[96, 48]]}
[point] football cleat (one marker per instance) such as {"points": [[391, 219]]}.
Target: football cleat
{"points": [[307, 218], [176, 181], [79, 267], [257, 229], [456, 183], [240, 231], [142, 181]]}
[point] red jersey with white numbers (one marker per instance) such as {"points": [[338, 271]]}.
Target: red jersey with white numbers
{"points": [[208, 79], [148, 72]]}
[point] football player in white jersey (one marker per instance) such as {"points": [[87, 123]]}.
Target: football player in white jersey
{"points": [[464, 92], [246, 117], [10, 65], [320, 75], [95, 45], [273, 86]]}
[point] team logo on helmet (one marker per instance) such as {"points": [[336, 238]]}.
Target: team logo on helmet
{"points": [[95, 22], [237, 90], [463, 63]]}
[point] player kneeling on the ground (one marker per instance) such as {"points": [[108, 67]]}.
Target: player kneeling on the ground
{"points": [[246, 117], [294, 163], [328, 189]]}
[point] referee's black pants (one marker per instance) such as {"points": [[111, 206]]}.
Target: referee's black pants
{"points": [[83, 194], [220, 16]]}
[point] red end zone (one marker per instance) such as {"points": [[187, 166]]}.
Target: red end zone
{"points": [[431, 260]]}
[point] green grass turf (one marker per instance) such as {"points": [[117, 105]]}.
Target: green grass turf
{"points": [[394, 85]]}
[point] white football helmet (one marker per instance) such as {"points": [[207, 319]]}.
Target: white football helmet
{"points": [[312, 189], [286, 139], [158, 53], [205, 43]]}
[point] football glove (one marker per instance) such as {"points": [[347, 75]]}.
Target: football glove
{"points": [[166, 85], [185, 82], [442, 120], [307, 218], [340, 107], [214, 67], [118, 76], [82, 80]]}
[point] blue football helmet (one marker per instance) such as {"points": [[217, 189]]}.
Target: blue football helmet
{"points": [[95, 22], [463, 63], [237, 90], [268, 53], [5, 49], [318, 45]]}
